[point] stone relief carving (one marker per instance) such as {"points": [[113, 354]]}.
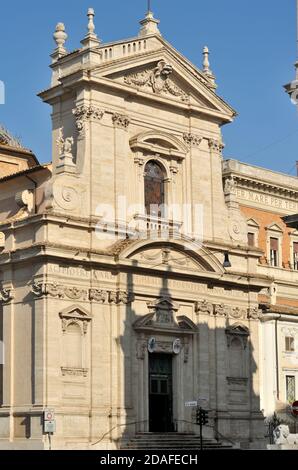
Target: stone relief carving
{"points": [[67, 197], [204, 307], [237, 313], [163, 346], [221, 310], [230, 185], [281, 435], [74, 372], [120, 120], [237, 228], [158, 81], [141, 347], [98, 295], [83, 114], [254, 313], [40, 289], [208, 308], [6, 295], [65, 145], [25, 199], [192, 139], [57, 290], [163, 310]]}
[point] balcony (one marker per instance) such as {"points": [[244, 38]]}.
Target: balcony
{"points": [[152, 227]]}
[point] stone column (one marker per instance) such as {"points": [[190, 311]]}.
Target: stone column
{"points": [[121, 152]]}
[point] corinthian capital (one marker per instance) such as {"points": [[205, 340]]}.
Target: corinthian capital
{"points": [[192, 139], [120, 120], [216, 145]]}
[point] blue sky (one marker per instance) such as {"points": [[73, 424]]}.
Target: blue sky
{"points": [[252, 44]]}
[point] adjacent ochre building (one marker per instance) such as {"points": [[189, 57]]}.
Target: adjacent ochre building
{"points": [[139, 270]]}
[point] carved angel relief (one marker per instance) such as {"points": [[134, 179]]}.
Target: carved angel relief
{"points": [[158, 81]]}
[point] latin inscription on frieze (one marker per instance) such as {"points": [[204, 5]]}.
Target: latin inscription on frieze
{"points": [[267, 200]]}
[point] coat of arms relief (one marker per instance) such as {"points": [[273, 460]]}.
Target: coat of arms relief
{"points": [[158, 80]]}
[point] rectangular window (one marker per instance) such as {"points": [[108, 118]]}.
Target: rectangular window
{"points": [[290, 388], [295, 255], [290, 344], [274, 252], [251, 239]]}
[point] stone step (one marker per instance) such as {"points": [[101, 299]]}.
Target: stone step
{"points": [[173, 441]]}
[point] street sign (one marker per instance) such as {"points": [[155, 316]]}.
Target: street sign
{"points": [[191, 404], [295, 408], [50, 427]]}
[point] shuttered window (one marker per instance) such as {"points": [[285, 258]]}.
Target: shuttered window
{"points": [[251, 239], [295, 254], [274, 252]]}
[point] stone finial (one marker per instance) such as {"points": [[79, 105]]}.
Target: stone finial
{"points": [[149, 25], [91, 39], [206, 64], [91, 25], [60, 37]]}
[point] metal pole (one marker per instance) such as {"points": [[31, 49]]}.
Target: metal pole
{"points": [[201, 430]]}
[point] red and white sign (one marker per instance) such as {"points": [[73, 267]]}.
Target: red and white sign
{"points": [[295, 408], [49, 415]]}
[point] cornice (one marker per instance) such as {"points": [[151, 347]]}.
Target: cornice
{"points": [[106, 260], [248, 182]]}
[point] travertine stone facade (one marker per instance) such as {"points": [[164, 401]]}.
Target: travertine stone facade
{"points": [[86, 306]]}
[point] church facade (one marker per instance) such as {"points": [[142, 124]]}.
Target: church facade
{"points": [[132, 277]]}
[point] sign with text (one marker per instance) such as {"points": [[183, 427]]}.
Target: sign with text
{"points": [[190, 404]]}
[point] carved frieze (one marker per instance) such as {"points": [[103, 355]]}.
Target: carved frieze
{"points": [[254, 313], [207, 308], [120, 297], [221, 310], [204, 307], [54, 289], [98, 295], [158, 81], [120, 120], [168, 346], [237, 313]]}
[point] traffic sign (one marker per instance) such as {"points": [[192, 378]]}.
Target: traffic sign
{"points": [[49, 415], [295, 408]]}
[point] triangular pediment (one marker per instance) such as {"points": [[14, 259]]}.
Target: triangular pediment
{"points": [[75, 312], [164, 74], [253, 223], [274, 228]]}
